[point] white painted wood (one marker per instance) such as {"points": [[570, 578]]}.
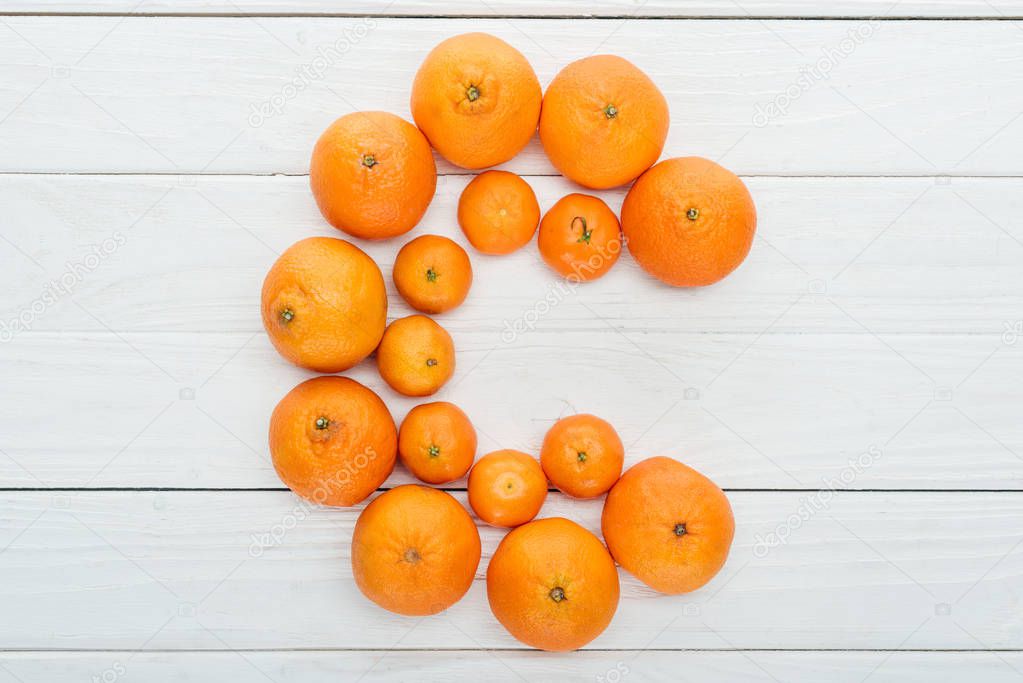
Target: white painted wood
{"points": [[543, 667], [786, 411], [876, 319], [181, 94], [155, 371], [170, 570], [898, 255], [573, 8]]}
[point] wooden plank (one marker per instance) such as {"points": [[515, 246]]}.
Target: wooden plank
{"points": [[567, 8], [216, 94], [781, 411], [327, 667], [174, 570], [892, 255], [152, 360]]}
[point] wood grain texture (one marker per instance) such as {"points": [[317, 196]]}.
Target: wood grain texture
{"points": [[170, 570], [897, 256], [567, 8], [517, 666], [786, 411], [869, 342], [155, 367], [183, 95]]}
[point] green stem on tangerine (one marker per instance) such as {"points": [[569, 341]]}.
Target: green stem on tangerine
{"points": [[369, 161], [322, 423], [433, 450], [610, 111], [581, 456], [587, 233], [287, 315], [473, 93], [431, 275], [680, 529], [693, 213]]}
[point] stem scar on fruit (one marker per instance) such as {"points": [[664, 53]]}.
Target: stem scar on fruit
{"points": [[433, 450], [287, 315], [680, 529], [472, 93], [693, 213], [411, 555], [610, 111], [430, 362], [557, 594], [369, 161], [581, 456], [322, 422], [587, 233], [431, 275]]}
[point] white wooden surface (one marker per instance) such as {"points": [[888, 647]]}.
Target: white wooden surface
{"points": [[443, 666], [517, 8], [172, 310], [876, 321], [262, 570], [184, 95]]}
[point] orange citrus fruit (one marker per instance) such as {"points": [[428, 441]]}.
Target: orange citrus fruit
{"points": [[437, 442], [324, 304], [668, 525], [507, 488], [372, 174], [477, 99], [580, 237], [603, 121], [433, 274], [582, 455], [498, 212], [415, 550], [332, 441], [689, 222], [416, 356], [553, 585]]}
